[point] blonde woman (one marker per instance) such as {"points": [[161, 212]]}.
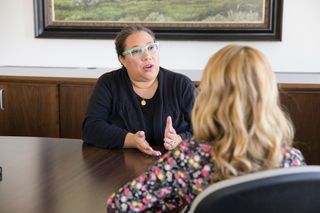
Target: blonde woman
{"points": [[239, 128]]}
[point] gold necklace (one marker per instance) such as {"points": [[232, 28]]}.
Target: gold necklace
{"points": [[143, 102]]}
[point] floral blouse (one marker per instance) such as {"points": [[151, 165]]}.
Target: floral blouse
{"points": [[176, 179]]}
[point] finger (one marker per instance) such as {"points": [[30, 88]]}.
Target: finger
{"points": [[169, 124], [145, 145], [169, 120], [140, 134], [150, 151], [156, 153], [141, 142], [166, 129]]}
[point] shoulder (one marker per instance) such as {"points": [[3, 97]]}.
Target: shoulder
{"points": [[194, 151], [292, 157], [174, 75], [109, 76], [194, 147], [176, 80], [112, 78]]}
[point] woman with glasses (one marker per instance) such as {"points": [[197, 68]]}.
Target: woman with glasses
{"points": [[238, 128], [142, 104]]}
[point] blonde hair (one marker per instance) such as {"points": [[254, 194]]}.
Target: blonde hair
{"points": [[237, 110]]}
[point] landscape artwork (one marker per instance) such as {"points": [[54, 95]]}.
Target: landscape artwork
{"points": [[169, 19]]}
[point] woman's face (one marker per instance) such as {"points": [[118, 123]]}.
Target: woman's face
{"points": [[142, 69]]}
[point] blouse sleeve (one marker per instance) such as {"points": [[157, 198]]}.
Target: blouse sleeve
{"points": [[176, 178]]}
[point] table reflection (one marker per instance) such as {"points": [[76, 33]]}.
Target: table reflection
{"points": [[63, 175]]}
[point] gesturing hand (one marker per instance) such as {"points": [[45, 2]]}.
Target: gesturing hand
{"points": [[171, 138], [143, 145]]}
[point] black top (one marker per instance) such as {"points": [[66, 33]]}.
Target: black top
{"points": [[114, 110], [148, 114]]}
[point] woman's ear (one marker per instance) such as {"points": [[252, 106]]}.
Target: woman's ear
{"points": [[121, 60]]}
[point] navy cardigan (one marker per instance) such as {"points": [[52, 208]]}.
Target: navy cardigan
{"points": [[113, 109]]}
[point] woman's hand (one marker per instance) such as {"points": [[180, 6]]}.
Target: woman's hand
{"points": [[171, 138], [138, 140]]}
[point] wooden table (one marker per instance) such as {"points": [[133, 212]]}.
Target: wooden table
{"points": [[46, 175]]}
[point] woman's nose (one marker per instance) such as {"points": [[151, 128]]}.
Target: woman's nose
{"points": [[146, 55]]}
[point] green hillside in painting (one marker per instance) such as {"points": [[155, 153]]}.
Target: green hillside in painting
{"points": [[159, 10]]}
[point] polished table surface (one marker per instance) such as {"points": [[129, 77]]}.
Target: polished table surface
{"points": [[63, 175]]}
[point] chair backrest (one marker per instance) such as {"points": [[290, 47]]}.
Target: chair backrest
{"points": [[295, 189]]}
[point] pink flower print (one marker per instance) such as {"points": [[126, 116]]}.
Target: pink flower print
{"points": [[183, 146], [139, 185], [170, 160], [181, 182], [152, 176], [146, 199], [205, 148], [182, 156], [204, 172], [167, 167], [137, 206], [296, 162], [126, 191], [199, 181], [171, 206], [123, 199], [109, 201], [141, 178], [157, 170], [188, 198], [163, 192]]}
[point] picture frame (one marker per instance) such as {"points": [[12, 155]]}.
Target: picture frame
{"points": [[269, 28]]}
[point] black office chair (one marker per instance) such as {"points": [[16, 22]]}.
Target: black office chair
{"points": [[285, 190]]}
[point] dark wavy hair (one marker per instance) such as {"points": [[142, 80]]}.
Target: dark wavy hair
{"points": [[120, 41]]}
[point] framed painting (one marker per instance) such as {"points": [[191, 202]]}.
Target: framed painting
{"points": [[169, 19]]}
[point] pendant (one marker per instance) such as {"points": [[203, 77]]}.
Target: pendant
{"points": [[143, 102]]}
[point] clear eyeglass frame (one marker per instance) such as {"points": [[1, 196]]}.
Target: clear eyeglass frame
{"points": [[138, 52]]}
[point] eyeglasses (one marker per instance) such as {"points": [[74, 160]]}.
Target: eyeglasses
{"points": [[138, 52]]}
